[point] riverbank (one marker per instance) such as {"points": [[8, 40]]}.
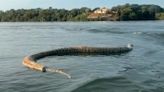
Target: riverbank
{"points": [[118, 13]]}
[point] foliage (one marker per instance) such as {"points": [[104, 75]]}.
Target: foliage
{"points": [[124, 12], [49, 14], [137, 12]]}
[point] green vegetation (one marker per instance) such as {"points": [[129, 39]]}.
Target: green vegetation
{"points": [[137, 12], [44, 15], [124, 13]]}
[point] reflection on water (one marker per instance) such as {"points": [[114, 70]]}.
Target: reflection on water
{"points": [[141, 70]]}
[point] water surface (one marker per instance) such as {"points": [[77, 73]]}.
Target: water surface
{"points": [[141, 70]]}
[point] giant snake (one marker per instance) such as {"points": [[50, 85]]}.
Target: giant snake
{"points": [[31, 61]]}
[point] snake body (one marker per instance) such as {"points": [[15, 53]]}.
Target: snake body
{"points": [[31, 61]]}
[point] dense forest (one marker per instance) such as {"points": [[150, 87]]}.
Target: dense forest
{"points": [[138, 12], [39, 14], [124, 12]]}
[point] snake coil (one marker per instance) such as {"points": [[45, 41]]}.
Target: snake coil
{"points": [[31, 61]]}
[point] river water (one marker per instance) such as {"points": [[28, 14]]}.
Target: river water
{"points": [[141, 70]]}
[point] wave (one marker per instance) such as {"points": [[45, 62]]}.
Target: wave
{"points": [[114, 84], [111, 30], [156, 37]]}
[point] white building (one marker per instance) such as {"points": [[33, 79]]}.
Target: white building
{"points": [[103, 10]]}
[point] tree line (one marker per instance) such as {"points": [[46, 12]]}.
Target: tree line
{"points": [[124, 12], [137, 12], [40, 15]]}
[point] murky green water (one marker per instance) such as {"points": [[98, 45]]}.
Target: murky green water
{"points": [[141, 70]]}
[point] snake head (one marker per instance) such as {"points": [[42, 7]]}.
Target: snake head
{"points": [[130, 46]]}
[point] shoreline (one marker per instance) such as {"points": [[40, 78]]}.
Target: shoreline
{"points": [[79, 21]]}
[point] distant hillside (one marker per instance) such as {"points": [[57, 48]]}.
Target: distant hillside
{"points": [[117, 13]]}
